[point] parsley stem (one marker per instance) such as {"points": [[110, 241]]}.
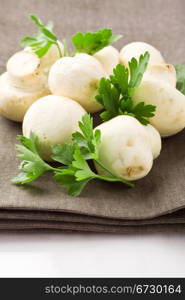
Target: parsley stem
{"points": [[100, 164], [113, 177], [59, 50], [66, 52]]}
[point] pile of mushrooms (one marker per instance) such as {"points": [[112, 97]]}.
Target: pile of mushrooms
{"points": [[51, 94]]}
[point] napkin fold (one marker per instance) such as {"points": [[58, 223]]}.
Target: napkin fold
{"points": [[65, 222], [157, 203]]}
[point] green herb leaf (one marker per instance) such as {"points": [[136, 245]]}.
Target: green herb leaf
{"points": [[87, 139], [43, 40], [137, 69], [109, 98], [69, 183], [115, 93], [32, 166], [180, 71], [63, 153], [90, 42], [82, 168]]}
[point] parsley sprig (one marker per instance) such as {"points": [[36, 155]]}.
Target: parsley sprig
{"points": [[115, 93], [91, 42], [43, 40], [75, 171]]}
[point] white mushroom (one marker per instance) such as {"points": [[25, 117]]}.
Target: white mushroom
{"points": [[14, 102], [24, 69], [169, 117], [52, 119], [108, 57], [50, 57], [135, 49], [127, 147], [77, 78], [22, 84], [157, 68]]}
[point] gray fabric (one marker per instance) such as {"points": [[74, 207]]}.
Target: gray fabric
{"points": [[102, 206]]}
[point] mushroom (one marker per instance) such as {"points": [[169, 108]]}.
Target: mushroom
{"points": [[127, 147], [52, 119], [50, 57], [169, 117], [22, 84], [135, 49], [24, 69], [108, 57], [77, 78], [156, 69]]}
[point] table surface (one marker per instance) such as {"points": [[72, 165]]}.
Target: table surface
{"points": [[92, 255], [85, 255]]}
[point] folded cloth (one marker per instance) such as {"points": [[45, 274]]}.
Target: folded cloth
{"points": [[34, 220], [91, 228], [158, 200]]}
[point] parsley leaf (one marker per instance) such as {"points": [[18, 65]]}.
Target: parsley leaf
{"points": [[115, 93], [69, 183], [137, 69], [63, 153], [32, 165], [143, 111], [180, 71], [43, 40], [88, 140], [90, 42]]}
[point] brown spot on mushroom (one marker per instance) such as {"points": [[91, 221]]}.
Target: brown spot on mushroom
{"points": [[171, 100], [133, 171], [129, 143], [93, 84]]}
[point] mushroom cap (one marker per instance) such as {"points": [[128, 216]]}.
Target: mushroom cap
{"points": [[24, 69], [14, 102], [135, 49], [77, 78], [169, 117], [52, 119], [108, 57], [126, 148], [163, 72], [50, 57]]}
